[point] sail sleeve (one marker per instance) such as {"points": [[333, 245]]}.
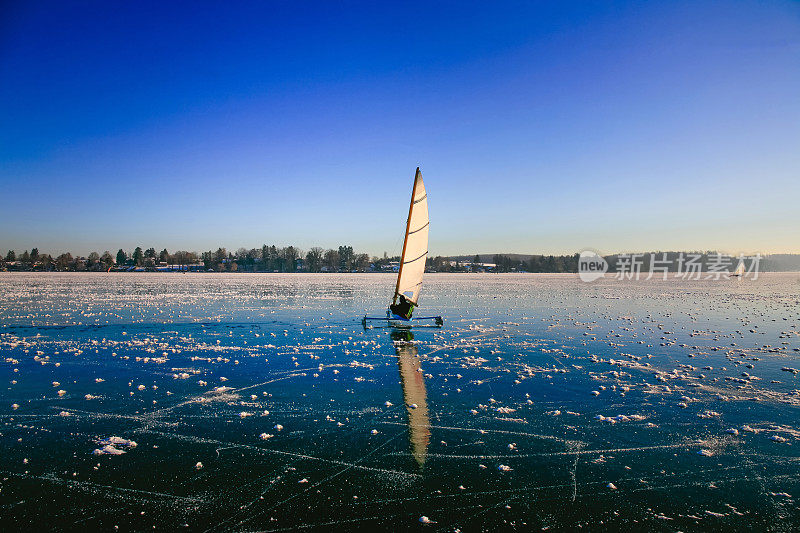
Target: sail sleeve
{"points": [[416, 244]]}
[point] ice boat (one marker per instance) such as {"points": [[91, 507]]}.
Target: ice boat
{"points": [[412, 267]]}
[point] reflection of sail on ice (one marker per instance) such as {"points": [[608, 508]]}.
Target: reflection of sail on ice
{"points": [[415, 397], [415, 245]]}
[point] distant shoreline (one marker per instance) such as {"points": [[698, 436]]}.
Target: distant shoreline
{"points": [[271, 259], [657, 276]]}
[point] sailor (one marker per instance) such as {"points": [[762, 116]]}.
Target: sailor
{"points": [[402, 309]]}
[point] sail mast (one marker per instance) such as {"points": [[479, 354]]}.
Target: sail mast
{"points": [[405, 240]]}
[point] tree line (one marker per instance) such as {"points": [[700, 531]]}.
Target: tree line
{"points": [[265, 259], [537, 263], [650, 261], [271, 258], [644, 262], [288, 259]]}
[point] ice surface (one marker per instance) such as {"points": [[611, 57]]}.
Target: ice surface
{"points": [[258, 402]]}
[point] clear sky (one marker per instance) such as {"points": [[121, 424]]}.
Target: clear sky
{"points": [[539, 127]]}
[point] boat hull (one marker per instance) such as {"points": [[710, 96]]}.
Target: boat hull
{"points": [[392, 322]]}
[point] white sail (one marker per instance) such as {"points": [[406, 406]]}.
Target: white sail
{"points": [[415, 246], [739, 269]]}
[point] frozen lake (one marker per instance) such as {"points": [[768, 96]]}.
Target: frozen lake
{"points": [[259, 403]]}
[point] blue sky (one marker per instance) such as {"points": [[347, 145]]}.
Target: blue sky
{"points": [[539, 127]]}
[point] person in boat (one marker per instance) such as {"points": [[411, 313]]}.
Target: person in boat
{"points": [[403, 308]]}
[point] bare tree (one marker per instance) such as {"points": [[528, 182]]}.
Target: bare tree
{"points": [[290, 254], [332, 260], [64, 261], [362, 262], [93, 261], [314, 259], [107, 259], [346, 258]]}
